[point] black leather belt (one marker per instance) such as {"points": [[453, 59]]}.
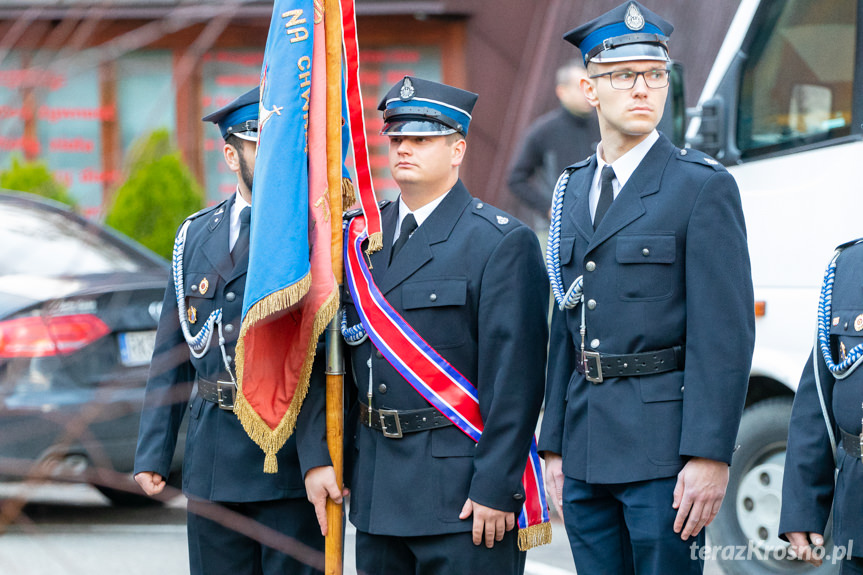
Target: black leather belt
{"points": [[222, 393], [394, 423], [853, 444], [598, 367]]}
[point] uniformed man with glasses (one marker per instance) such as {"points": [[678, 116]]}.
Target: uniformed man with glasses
{"points": [[653, 331]]}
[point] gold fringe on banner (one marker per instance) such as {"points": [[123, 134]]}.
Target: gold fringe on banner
{"points": [[534, 536], [376, 243], [349, 196], [271, 440]]}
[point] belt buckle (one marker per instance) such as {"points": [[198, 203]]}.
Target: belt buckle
{"points": [[384, 413], [594, 356], [226, 393]]}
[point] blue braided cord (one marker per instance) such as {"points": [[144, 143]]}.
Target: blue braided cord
{"points": [[200, 343], [353, 335], [572, 296], [825, 305]]}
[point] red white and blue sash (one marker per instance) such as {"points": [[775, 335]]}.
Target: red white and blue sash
{"points": [[434, 378]]}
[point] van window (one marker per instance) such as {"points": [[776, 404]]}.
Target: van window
{"points": [[796, 85]]}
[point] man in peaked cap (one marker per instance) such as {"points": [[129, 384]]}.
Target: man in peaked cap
{"points": [[229, 497], [650, 350], [468, 278]]}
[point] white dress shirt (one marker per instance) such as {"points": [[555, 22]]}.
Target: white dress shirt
{"points": [[420, 214], [623, 168], [239, 203]]}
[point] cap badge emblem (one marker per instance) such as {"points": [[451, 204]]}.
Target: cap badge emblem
{"points": [[204, 286], [634, 19], [407, 92], [502, 220], [193, 314]]}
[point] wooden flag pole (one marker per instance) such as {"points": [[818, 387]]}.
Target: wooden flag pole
{"points": [[335, 360]]}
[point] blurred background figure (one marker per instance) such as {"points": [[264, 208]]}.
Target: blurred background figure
{"points": [[555, 140]]}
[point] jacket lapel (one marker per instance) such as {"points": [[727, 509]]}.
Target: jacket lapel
{"points": [[435, 229], [577, 206], [216, 243], [628, 206]]}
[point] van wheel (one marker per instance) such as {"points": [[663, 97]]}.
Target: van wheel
{"points": [[749, 517]]}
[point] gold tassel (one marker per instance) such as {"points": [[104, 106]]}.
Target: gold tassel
{"points": [[271, 440], [349, 196], [534, 536], [376, 243]]}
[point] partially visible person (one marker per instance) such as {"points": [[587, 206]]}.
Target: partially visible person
{"points": [[555, 140], [811, 486], [222, 465]]}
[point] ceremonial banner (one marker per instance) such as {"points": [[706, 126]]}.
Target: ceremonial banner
{"points": [[291, 294]]}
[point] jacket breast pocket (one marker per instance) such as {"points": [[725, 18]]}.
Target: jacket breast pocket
{"points": [[567, 246], [200, 297], [646, 270], [436, 310]]}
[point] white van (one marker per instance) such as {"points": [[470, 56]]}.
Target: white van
{"points": [[781, 110]]}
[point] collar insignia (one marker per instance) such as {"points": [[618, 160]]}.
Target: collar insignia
{"points": [[634, 20], [407, 92]]}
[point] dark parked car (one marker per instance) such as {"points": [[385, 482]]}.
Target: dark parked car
{"points": [[79, 306]]}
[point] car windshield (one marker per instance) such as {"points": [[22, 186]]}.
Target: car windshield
{"points": [[43, 242]]}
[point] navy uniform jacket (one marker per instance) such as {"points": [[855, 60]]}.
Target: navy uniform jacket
{"points": [[220, 463], [670, 267], [488, 320], [808, 485]]}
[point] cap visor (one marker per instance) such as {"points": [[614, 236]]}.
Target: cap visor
{"points": [[416, 128], [248, 136], [629, 52]]}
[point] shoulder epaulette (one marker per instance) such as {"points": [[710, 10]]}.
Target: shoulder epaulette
{"points": [[499, 218], [849, 244], [698, 157], [351, 214], [206, 210], [580, 164]]}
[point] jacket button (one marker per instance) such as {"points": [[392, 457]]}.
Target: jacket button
{"points": [[590, 266], [382, 388], [433, 297], [230, 296], [517, 496], [229, 328], [645, 252], [194, 287], [591, 304], [229, 359], [378, 354], [594, 343]]}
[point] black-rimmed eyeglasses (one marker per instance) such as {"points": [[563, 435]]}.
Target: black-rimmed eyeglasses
{"points": [[625, 79]]}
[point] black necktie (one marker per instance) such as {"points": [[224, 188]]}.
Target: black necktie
{"points": [[409, 224], [242, 244], [606, 194]]}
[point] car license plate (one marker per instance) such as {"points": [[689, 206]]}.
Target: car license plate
{"points": [[136, 347]]}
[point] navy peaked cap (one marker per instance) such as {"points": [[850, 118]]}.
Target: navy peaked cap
{"points": [[240, 117], [417, 107], [629, 32]]}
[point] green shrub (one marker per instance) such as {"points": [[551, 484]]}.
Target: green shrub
{"points": [[35, 178], [159, 193]]}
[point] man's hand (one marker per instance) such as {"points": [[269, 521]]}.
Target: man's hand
{"points": [[152, 483], [800, 544], [321, 485], [554, 481], [698, 495], [488, 524]]}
